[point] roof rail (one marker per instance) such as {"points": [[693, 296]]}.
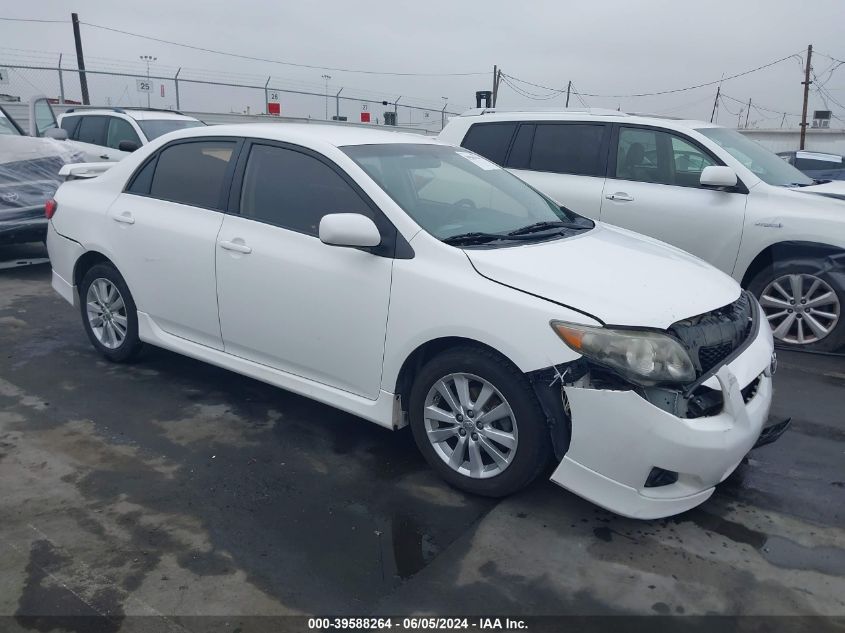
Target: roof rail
{"points": [[596, 111], [123, 109]]}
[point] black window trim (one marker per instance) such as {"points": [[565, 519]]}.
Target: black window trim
{"points": [[604, 149], [227, 178], [393, 244], [12, 121], [740, 186]]}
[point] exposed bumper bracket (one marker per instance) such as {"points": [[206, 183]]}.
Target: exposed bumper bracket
{"points": [[772, 433]]}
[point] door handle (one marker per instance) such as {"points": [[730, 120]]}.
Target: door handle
{"points": [[104, 156], [238, 247], [620, 197], [124, 218]]}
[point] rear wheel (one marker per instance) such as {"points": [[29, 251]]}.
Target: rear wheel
{"points": [[477, 422], [109, 314], [803, 304]]}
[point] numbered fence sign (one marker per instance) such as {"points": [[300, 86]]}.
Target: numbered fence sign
{"points": [[144, 85], [273, 96]]}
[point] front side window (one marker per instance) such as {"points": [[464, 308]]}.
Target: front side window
{"points": [[491, 140], [153, 128], [44, 117], [70, 124], [92, 129], [294, 190], [568, 148], [646, 155], [121, 130], [192, 173], [756, 158], [451, 192]]}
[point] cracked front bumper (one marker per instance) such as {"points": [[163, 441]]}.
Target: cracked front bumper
{"points": [[618, 437]]}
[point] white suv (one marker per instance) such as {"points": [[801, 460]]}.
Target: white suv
{"points": [[408, 281], [111, 134], [704, 188]]}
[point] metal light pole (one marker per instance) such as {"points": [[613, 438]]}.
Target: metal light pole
{"points": [[443, 113], [327, 77], [148, 59]]}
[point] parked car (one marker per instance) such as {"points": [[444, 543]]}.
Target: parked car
{"points": [[706, 189], [407, 281], [111, 134], [816, 165], [29, 176]]}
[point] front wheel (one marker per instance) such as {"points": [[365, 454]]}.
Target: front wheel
{"points": [[803, 304], [477, 421]]}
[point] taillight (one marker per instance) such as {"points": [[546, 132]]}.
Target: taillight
{"points": [[50, 208]]}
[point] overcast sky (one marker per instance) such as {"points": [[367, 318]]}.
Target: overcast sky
{"points": [[608, 47]]}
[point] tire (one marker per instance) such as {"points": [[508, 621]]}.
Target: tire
{"points": [[530, 435], [809, 273], [116, 319]]}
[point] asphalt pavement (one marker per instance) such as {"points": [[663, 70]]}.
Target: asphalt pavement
{"points": [[171, 488]]}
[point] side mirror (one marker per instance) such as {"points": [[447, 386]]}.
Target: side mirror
{"points": [[60, 134], [349, 229], [128, 146], [718, 176]]}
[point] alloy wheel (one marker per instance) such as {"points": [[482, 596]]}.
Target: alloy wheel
{"points": [[106, 313], [470, 425], [801, 308]]}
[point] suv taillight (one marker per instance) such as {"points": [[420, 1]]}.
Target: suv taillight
{"points": [[50, 208]]}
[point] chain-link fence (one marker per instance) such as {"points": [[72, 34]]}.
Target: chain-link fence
{"points": [[190, 91]]}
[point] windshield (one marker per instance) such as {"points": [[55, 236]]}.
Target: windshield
{"points": [[453, 193], [6, 126], [767, 166], [153, 128]]}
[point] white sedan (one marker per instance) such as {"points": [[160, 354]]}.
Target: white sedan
{"points": [[411, 282]]}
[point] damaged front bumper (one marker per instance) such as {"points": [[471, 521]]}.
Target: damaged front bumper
{"points": [[637, 459]]}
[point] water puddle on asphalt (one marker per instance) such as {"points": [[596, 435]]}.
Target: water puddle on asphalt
{"points": [[777, 550]]}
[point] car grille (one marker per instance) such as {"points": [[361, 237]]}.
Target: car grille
{"points": [[712, 337]]}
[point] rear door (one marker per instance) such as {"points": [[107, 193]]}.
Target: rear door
{"points": [[653, 188], [163, 232], [565, 160]]}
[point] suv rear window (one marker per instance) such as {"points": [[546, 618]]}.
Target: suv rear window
{"points": [[491, 140], [92, 129], [569, 148]]}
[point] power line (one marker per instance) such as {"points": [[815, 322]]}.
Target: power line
{"points": [[276, 61], [664, 92], [35, 20]]}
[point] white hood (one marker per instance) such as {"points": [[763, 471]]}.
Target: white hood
{"points": [[619, 277], [833, 189]]}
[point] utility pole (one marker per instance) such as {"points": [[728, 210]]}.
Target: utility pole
{"points": [[747, 112], [716, 102], [327, 77], [148, 59], [568, 90], [806, 83], [80, 60], [495, 85]]}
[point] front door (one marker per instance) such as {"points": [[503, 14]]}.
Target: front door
{"points": [[163, 234], [286, 299], [656, 192]]}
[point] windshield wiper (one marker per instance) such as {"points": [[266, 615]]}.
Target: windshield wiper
{"points": [[474, 237], [546, 226]]}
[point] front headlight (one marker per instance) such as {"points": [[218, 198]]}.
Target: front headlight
{"points": [[644, 357]]}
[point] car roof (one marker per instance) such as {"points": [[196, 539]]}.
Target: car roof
{"points": [[583, 114], [138, 115], [310, 134]]}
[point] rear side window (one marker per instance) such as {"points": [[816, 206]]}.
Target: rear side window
{"points": [[191, 173], [92, 129], [812, 164], [520, 156], [294, 190], [569, 148], [70, 125], [491, 140]]}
